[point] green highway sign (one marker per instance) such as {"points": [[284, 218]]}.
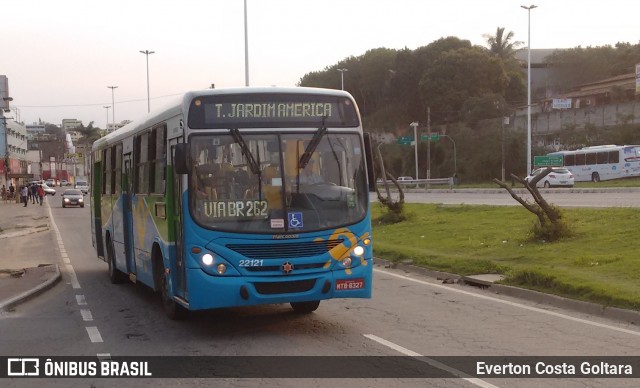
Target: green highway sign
{"points": [[432, 137], [548, 161], [405, 140]]}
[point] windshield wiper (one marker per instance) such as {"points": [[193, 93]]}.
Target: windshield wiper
{"points": [[313, 144], [253, 165]]}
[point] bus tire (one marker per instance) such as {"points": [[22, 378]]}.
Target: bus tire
{"points": [[172, 308], [115, 276], [305, 307], [595, 177]]}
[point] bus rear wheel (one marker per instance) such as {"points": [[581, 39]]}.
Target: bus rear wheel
{"points": [[115, 276], [595, 177], [305, 307]]}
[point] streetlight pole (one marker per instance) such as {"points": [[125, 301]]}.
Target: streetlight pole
{"points": [[113, 105], [415, 142], [529, 8], [246, 47], [147, 53], [106, 127], [342, 77]]}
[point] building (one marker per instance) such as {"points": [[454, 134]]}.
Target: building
{"points": [[34, 130], [14, 164], [13, 142]]}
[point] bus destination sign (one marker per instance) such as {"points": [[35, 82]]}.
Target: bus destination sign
{"points": [[271, 110]]}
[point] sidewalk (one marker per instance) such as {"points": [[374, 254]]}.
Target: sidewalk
{"points": [[28, 252]]}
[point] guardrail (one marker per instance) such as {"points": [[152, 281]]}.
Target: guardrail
{"points": [[426, 182]]}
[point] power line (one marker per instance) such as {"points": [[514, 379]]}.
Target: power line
{"points": [[96, 104]]}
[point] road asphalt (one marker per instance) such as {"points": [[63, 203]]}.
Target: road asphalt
{"points": [[30, 262]]}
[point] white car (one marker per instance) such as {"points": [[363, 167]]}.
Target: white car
{"points": [[82, 186], [405, 178], [48, 190], [558, 177]]}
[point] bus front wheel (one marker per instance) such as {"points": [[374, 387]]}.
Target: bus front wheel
{"points": [[172, 308], [305, 307], [595, 177]]}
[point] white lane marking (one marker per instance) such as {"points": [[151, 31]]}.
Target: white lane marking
{"points": [[81, 300], [94, 334], [92, 331], [514, 304], [433, 363], [74, 279], [86, 315]]}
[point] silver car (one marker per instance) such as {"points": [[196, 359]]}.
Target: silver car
{"points": [[48, 190], [558, 177], [72, 197]]}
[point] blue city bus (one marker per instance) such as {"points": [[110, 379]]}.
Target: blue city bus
{"points": [[209, 202]]}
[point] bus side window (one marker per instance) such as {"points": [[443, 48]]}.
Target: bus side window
{"points": [[614, 156], [569, 160], [603, 157]]}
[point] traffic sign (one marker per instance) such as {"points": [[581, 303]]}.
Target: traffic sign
{"points": [[405, 140], [432, 137], [548, 161]]}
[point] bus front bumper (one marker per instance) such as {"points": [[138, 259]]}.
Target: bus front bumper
{"points": [[209, 292]]}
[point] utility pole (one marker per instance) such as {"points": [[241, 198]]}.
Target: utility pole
{"points": [[428, 144], [415, 143]]}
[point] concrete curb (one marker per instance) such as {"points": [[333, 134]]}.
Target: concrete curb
{"points": [[36, 290], [614, 313]]}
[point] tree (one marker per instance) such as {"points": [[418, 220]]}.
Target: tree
{"points": [[551, 226], [501, 45], [457, 76]]}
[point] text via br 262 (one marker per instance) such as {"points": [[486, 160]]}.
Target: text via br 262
{"points": [[218, 209]]}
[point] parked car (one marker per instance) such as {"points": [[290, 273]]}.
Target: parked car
{"points": [[82, 185], [72, 197], [50, 182], [558, 177], [48, 190], [64, 182]]}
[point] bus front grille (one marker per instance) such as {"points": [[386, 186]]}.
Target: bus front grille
{"points": [[285, 250], [271, 288]]}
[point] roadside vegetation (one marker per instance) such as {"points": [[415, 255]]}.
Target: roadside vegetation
{"points": [[598, 263]]}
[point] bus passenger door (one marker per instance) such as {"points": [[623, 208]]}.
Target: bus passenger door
{"points": [[176, 217], [96, 210], [127, 197]]}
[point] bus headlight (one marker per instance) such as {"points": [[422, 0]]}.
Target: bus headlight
{"points": [[358, 250], [346, 262], [207, 259], [221, 269]]}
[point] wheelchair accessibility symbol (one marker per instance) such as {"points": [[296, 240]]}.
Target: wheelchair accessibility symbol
{"points": [[295, 220]]}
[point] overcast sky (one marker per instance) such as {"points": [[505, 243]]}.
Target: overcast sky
{"points": [[60, 55]]}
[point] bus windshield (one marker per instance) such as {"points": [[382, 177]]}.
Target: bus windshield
{"points": [[257, 183]]}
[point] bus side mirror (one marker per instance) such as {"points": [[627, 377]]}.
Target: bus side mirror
{"points": [[368, 157], [181, 158]]}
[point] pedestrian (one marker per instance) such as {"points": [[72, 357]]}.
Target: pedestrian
{"points": [[12, 191], [41, 194], [4, 193], [24, 195], [34, 193]]}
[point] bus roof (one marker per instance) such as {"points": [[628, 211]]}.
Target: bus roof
{"points": [[181, 103]]}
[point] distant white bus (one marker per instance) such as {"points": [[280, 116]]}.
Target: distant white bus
{"points": [[602, 163]]}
